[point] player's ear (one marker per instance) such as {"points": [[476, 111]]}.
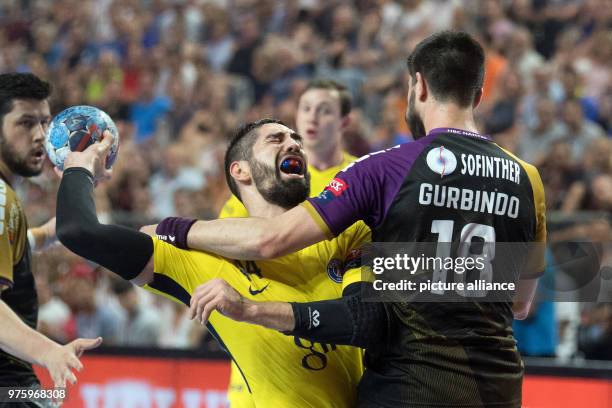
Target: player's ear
{"points": [[477, 98], [240, 171], [420, 88]]}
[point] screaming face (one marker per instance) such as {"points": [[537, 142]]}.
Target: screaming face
{"points": [[287, 182]]}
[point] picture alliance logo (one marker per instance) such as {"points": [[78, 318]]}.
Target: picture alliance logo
{"points": [[441, 160]]}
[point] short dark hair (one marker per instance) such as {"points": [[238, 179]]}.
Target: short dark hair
{"points": [[346, 100], [452, 63], [241, 148], [17, 85]]}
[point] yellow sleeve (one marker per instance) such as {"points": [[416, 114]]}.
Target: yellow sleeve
{"points": [[177, 272], [233, 208], [536, 261], [351, 242], [6, 250], [537, 257]]}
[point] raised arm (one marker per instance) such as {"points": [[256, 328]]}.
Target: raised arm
{"points": [[126, 252]]}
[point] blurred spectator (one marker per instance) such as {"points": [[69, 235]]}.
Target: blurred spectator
{"points": [[89, 319], [148, 109], [172, 176], [595, 333], [53, 314], [141, 326], [536, 142], [177, 330], [580, 132]]}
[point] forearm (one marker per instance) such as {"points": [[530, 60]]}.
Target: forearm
{"points": [[21, 341], [273, 315], [37, 238], [343, 321], [124, 251], [256, 238], [227, 237], [41, 237]]}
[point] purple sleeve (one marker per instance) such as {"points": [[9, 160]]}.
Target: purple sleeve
{"points": [[365, 189]]}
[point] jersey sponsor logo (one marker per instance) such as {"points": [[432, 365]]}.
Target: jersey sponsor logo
{"points": [[490, 166], [337, 186], [441, 160], [335, 270]]}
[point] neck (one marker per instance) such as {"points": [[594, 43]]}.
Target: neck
{"points": [[326, 159], [257, 206], [449, 116]]}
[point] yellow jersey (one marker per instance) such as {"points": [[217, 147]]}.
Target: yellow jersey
{"points": [[278, 370], [238, 394]]}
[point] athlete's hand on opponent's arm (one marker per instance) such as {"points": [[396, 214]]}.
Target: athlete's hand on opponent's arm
{"points": [[61, 360], [218, 295], [93, 158]]}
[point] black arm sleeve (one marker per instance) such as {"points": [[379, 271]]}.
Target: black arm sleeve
{"points": [[124, 251], [347, 320]]}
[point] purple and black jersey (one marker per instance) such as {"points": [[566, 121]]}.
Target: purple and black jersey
{"points": [[450, 186]]}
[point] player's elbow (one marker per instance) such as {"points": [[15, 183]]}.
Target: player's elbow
{"points": [[73, 234], [68, 233]]}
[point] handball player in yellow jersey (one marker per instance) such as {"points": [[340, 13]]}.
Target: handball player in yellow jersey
{"points": [[322, 115], [267, 169]]}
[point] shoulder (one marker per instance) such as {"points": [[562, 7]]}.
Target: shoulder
{"points": [[233, 208], [381, 159]]}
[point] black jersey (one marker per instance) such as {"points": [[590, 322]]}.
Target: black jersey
{"points": [[450, 186], [16, 275]]}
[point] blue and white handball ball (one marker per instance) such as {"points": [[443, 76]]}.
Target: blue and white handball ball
{"points": [[77, 127]]}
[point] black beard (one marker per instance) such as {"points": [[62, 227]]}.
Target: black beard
{"points": [[413, 119], [284, 193], [16, 164]]}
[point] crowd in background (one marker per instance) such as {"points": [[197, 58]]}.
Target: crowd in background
{"points": [[178, 76]]}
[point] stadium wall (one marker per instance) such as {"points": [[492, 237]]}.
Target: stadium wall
{"points": [[148, 378]]}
